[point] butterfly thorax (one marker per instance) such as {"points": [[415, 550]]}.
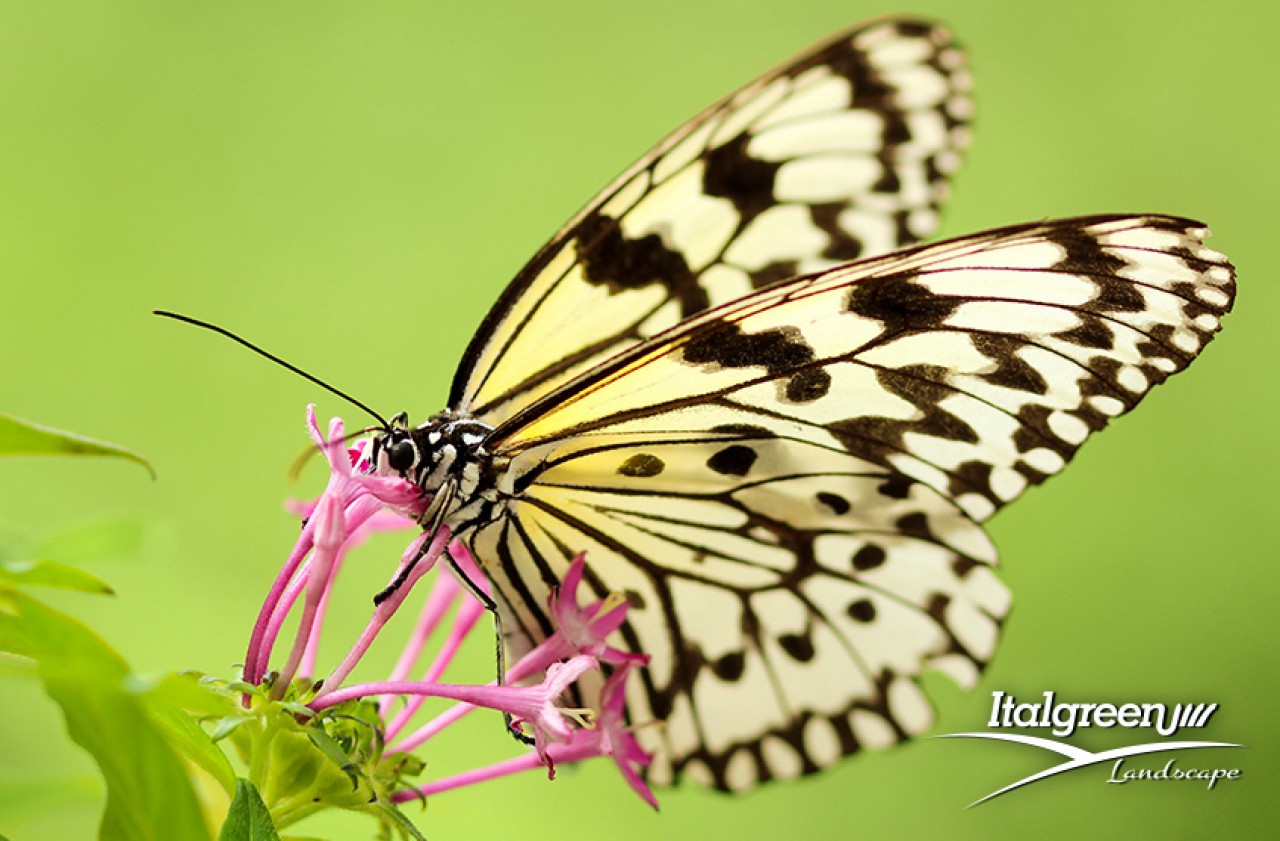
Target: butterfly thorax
{"points": [[449, 449]]}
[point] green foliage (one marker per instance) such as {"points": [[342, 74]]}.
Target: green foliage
{"points": [[24, 438], [171, 705], [139, 731], [135, 730], [301, 763], [248, 818], [149, 794], [51, 574]]}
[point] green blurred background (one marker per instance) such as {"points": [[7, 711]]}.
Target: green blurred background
{"points": [[352, 184]]}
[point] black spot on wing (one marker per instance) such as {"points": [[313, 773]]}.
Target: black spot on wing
{"points": [[747, 429], [642, 465], [896, 132], [730, 667], [925, 387], [807, 386], [1011, 370], [1084, 255], [842, 247], [733, 461], [833, 502], [876, 438], [896, 486], [902, 226], [1091, 333], [1033, 431], [899, 303], [932, 170], [776, 350], [611, 259], [973, 477], [869, 437], [798, 646], [868, 89], [915, 525], [771, 273], [862, 610], [731, 173], [868, 557], [888, 182]]}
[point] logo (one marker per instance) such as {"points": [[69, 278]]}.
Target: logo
{"points": [[1066, 719]]}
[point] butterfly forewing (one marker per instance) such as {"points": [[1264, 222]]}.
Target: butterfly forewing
{"points": [[976, 365], [787, 487], [841, 153]]}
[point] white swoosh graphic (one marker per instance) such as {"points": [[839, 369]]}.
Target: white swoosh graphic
{"points": [[1078, 757]]}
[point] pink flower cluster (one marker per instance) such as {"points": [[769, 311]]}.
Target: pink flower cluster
{"points": [[357, 502]]}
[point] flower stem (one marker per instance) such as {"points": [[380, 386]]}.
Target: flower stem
{"points": [[382, 614], [469, 613], [255, 660]]}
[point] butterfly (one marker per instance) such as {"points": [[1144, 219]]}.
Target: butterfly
{"points": [[776, 422]]}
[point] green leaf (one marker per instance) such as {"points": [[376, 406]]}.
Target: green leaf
{"points": [[23, 438], [193, 693], [186, 737], [399, 820], [12, 664], [224, 727], [51, 574], [328, 746], [149, 795], [248, 818]]}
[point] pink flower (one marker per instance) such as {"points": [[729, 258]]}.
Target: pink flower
{"points": [[539, 708], [532, 705], [350, 501], [610, 736], [604, 734], [357, 501], [578, 630]]}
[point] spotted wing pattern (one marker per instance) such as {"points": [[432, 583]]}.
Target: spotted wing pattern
{"points": [[788, 487], [841, 153]]}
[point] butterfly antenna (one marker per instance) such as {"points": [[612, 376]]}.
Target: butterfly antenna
{"points": [[294, 368]]}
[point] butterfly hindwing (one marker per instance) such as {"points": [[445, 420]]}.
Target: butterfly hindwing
{"points": [[788, 486], [787, 604], [841, 153]]}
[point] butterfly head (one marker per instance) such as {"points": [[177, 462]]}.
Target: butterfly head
{"points": [[448, 444], [396, 446]]}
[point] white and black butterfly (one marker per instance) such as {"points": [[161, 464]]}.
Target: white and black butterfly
{"points": [[780, 456]]}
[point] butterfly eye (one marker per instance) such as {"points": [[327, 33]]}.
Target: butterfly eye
{"points": [[402, 455]]}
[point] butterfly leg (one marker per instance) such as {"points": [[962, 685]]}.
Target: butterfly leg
{"points": [[434, 516]]}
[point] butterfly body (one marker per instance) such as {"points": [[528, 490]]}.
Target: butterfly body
{"points": [[781, 457], [446, 453]]}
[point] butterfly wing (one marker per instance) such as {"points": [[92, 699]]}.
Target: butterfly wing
{"points": [[786, 610], [788, 486], [841, 153]]}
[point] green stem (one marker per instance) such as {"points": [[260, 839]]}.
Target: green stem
{"points": [[288, 814]]}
